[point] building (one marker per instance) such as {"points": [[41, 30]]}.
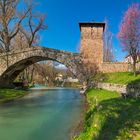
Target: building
{"points": [[92, 47], [129, 59], [92, 41]]}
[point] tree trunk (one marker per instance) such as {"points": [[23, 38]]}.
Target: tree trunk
{"points": [[134, 68], [7, 56], [32, 75], [27, 74], [7, 59]]}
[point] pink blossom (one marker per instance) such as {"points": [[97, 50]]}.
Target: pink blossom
{"points": [[129, 33]]}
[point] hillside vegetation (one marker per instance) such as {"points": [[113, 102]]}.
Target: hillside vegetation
{"points": [[121, 78]]}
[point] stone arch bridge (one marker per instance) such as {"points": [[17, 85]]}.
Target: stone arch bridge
{"points": [[20, 59]]}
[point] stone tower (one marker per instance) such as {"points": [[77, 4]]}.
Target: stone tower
{"points": [[92, 42]]}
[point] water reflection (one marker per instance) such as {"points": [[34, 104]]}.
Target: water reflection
{"points": [[42, 115]]}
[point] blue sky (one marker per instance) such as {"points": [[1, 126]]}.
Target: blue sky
{"points": [[63, 17]]}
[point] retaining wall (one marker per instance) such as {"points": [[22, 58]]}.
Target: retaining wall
{"points": [[128, 90]]}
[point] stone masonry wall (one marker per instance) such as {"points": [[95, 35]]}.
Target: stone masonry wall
{"points": [[92, 43], [107, 67], [130, 90], [112, 87], [18, 60]]}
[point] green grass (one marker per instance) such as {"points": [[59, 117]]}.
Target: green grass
{"points": [[121, 78], [10, 94], [110, 117]]}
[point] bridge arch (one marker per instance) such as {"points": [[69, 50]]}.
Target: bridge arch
{"points": [[21, 59]]}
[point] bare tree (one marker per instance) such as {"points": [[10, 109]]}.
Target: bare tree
{"points": [[87, 68], [19, 41], [28, 35], [35, 23], [10, 22], [108, 55], [47, 71]]}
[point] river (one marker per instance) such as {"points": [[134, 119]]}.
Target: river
{"points": [[41, 115]]}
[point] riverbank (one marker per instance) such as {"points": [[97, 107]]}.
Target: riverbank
{"points": [[7, 95], [110, 117]]}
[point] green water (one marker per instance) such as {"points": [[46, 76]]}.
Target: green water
{"points": [[42, 115]]}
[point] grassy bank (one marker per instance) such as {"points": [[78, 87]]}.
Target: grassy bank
{"points": [[121, 77], [7, 95], [110, 117]]}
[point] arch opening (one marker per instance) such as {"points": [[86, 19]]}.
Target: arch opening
{"points": [[14, 70]]}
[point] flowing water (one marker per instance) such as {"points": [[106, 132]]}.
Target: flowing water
{"points": [[42, 115]]}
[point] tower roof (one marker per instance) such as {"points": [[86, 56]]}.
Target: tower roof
{"points": [[96, 24]]}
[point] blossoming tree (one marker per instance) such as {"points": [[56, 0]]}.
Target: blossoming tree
{"points": [[129, 34]]}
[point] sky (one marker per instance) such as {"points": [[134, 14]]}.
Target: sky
{"points": [[63, 17]]}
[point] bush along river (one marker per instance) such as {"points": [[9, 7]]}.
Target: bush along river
{"points": [[41, 115]]}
